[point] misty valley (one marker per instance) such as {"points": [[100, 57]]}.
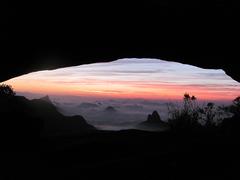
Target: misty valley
{"points": [[110, 114], [122, 94], [120, 114]]}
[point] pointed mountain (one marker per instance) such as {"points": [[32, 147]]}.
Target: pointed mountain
{"points": [[153, 122], [154, 118]]}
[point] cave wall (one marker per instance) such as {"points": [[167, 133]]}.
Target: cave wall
{"points": [[43, 35]]}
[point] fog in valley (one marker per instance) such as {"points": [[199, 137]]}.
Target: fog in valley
{"points": [[111, 114], [122, 93]]}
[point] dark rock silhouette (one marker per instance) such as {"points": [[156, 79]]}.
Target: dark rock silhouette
{"points": [[154, 118], [31, 118], [110, 109], [54, 121], [154, 122], [46, 98]]}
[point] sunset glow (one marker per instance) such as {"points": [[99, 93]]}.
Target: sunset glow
{"points": [[131, 78]]}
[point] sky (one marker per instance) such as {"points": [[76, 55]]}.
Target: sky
{"points": [[131, 79]]}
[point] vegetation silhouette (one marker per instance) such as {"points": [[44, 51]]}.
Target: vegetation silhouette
{"points": [[190, 116], [6, 90], [235, 108], [185, 117], [231, 125]]}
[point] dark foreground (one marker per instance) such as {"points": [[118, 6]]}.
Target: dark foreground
{"points": [[28, 149], [123, 155]]}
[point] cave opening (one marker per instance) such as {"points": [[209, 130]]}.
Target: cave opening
{"points": [[121, 94]]}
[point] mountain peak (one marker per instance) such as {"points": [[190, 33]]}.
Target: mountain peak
{"points": [[110, 109], [153, 123], [154, 117], [46, 99]]}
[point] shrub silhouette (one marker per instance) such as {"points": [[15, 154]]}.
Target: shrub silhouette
{"points": [[213, 115], [231, 125], [186, 116], [235, 107], [190, 116], [236, 101], [6, 90]]}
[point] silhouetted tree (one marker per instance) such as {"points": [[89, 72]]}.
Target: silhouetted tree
{"points": [[6, 90]]}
